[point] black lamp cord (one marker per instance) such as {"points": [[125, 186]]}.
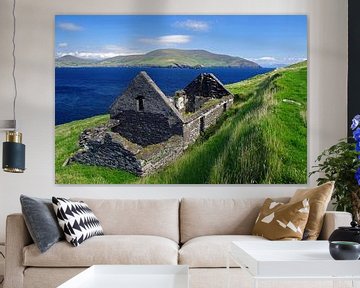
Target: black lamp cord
{"points": [[14, 59], [2, 280], [14, 78]]}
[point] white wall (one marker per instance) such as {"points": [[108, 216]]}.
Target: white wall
{"points": [[35, 74]]}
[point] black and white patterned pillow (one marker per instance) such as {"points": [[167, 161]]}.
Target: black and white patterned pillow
{"points": [[77, 220]]}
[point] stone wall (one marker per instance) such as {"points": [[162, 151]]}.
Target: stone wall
{"points": [[180, 101], [192, 127], [191, 132], [108, 150], [212, 116], [154, 121], [146, 128], [101, 147], [206, 84], [160, 155]]}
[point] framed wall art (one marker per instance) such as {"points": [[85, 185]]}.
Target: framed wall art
{"points": [[181, 99]]}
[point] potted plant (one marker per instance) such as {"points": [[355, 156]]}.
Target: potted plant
{"points": [[341, 163]]}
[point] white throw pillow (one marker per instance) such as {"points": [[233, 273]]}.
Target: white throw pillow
{"points": [[76, 220]]}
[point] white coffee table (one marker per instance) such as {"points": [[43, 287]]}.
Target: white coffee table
{"points": [[292, 260], [131, 276]]}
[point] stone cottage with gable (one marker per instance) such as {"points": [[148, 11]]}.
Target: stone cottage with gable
{"points": [[147, 130]]}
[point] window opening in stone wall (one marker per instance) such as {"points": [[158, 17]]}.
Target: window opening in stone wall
{"points": [[140, 103], [225, 107], [202, 124]]}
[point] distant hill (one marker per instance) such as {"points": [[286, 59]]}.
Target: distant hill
{"points": [[72, 61], [174, 58]]}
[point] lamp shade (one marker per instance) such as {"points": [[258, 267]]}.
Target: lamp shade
{"points": [[13, 153]]}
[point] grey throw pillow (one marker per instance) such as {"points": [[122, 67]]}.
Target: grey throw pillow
{"points": [[41, 221]]}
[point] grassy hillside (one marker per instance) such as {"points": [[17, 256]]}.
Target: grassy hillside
{"points": [[163, 58], [260, 139], [72, 61]]}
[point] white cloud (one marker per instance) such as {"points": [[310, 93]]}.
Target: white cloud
{"points": [[192, 25], [119, 50], [108, 51], [63, 45], [267, 58], [96, 55], [89, 55], [68, 26], [176, 39], [295, 59], [167, 39], [284, 60], [269, 61]]}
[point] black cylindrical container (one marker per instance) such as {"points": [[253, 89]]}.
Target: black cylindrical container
{"points": [[13, 153], [351, 233]]}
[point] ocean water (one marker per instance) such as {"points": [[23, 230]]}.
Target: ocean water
{"points": [[85, 92]]}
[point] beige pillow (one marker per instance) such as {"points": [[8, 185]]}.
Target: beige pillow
{"points": [[319, 198], [279, 221]]}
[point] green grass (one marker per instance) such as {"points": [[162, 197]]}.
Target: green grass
{"points": [[260, 139]]}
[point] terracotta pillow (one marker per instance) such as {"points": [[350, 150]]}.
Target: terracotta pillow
{"points": [[279, 221], [319, 198]]}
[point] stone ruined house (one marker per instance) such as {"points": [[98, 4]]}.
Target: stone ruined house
{"points": [[147, 129]]}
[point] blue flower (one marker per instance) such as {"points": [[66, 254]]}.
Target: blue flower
{"points": [[356, 134], [355, 122], [357, 176], [355, 126]]}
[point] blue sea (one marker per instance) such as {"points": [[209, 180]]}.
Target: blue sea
{"points": [[85, 92]]}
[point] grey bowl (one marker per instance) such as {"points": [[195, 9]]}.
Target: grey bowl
{"points": [[344, 250]]}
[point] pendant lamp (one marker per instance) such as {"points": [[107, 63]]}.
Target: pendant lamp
{"points": [[13, 158]]}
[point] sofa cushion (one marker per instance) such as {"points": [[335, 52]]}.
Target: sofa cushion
{"points": [[319, 198], [158, 217], [279, 221], [107, 249], [41, 221], [201, 217], [211, 251], [76, 220]]}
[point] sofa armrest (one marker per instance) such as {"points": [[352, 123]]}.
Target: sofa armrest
{"points": [[333, 220], [17, 237]]}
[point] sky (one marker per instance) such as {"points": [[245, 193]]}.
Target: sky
{"points": [[269, 40]]}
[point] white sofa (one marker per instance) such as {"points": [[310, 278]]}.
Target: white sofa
{"points": [[194, 232]]}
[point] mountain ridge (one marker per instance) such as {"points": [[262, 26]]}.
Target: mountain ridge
{"points": [[169, 58]]}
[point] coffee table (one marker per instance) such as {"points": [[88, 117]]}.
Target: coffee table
{"points": [[293, 260], [131, 276]]}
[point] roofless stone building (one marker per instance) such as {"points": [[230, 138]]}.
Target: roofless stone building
{"points": [[147, 130]]}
